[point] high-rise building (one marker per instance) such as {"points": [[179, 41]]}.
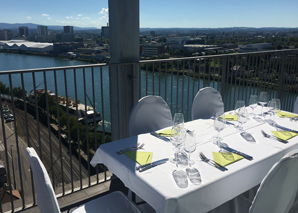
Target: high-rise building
{"points": [[23, 31], [6, 35], [105, 32], [42, 30], [68, 29]]}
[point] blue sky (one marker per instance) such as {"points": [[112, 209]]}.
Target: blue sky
{"points": [[156, 13]]}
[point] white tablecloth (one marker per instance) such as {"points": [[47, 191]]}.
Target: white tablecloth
{"points": [[157, 187]]}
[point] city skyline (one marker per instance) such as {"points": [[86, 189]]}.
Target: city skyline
{"points": [[157, 14]]}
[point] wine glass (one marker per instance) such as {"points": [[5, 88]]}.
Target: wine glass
{"points": [[219, 125], [189, 147], [178, 119], [263, 99], [253, 103], [239, 105], [242, 117], [178, 138], [175, 140]]}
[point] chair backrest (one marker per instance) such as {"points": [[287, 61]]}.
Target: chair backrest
{"points": [[207, 103], [46, 198], [278, 189], [295, 110], [149, 114]]}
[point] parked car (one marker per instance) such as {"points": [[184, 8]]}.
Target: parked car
{"points": [[9, 119]]}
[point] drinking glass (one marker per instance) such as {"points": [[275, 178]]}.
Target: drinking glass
{"points": [[178, 136], [242, 118], [253, 103], [239, 105], [219, 125], [178, 119], [189, 147], [263, 99], [275, 108]]}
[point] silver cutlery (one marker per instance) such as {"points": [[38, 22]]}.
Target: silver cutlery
{"points": [[151, 165], [285, 128], [229, 149], [273, 137], [160, 136], [212, 162], [138, 146]]}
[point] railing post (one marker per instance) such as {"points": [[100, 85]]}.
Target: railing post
{"points": [[124, 48], [223, 78]]}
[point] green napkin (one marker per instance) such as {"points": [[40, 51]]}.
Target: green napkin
{"points": [[166, 132], [230, 117], [140, 157], [225, 158], [286, 115], [284, 135]]}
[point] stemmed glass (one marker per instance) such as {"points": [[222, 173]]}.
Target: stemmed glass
{"points": [[177, 138], [189, 147], [178, 119], [239, 105], [242, 118], [263, 99], [253, 103], [192, 173], [274, 106], [219, 125]]}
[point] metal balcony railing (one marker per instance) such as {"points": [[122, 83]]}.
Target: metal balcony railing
{"points": [[64, 112]]}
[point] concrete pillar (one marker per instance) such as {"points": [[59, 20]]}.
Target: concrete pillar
{"points": [[124, 48]]}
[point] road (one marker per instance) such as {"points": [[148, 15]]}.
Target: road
{"points": [[53, 152]]}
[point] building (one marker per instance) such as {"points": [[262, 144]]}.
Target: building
{"points": [[42, 30], [152, 49], [254, 47], [177, 42], [68, 29], [105, 32], [23, 31], [6, 35]]}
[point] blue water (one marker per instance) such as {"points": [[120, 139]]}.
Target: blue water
{"points": [[177, 102]]}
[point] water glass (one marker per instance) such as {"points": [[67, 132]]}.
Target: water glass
{"points": [[189, 147], [219, 125], [253, 102], [177, 139], [263, 99], [242, 118], [239, 105], [178, 119]]}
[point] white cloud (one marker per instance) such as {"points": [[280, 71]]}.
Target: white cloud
{"points": [[45, 14], [49, 18], [104, 11], [69, 17], [28, 17], [86, 18], [79, 14]]}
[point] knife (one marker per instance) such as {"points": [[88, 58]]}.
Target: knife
{"points": [[152, 163], [160, 136], [285, 128], [144, 168], [248, 157]]}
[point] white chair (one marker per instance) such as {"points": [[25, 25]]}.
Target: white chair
{"points": [[276, 193], [47, 202], [295, 110], [207, 103], [149, 114]]}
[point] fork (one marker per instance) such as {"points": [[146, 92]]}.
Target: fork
{"points": [[273, 137], [138, 146], [212, 162]]}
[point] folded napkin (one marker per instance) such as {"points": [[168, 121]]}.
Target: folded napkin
{"points": [[166, 132], [230, 117], [284, 135], [286, 115], [225, 158], [140, 157]]}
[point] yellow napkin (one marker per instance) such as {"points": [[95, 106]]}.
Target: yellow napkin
{"points": [[286, 115], [230, 117], [225, 158], [166, 132], [140, 157], [284, 135]]}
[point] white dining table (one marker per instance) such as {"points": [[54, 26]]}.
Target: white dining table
{"points": [[157, 187]]}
